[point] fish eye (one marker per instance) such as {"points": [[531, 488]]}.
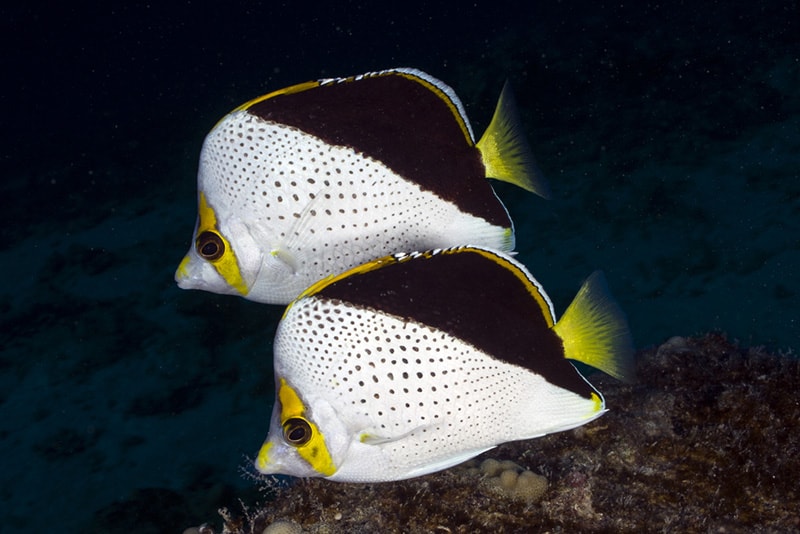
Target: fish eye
{"points": [[210, 246], [296, 431]]}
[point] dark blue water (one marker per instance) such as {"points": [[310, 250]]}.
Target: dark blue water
{"points": [[670, 135]]}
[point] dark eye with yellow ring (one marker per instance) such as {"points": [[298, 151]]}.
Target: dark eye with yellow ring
{"points": [[210, 246], [296, 431]]}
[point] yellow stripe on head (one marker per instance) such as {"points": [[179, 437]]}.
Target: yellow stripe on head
{"points": [[183, 269], [291, 404], [262, 460], [313, 449], [225, 263]]}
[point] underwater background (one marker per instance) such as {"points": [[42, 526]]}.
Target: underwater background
{"points": [[669, 133]]}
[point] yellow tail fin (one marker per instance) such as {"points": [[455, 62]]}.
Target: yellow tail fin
{"points": [[595, 332], [505, 151]]}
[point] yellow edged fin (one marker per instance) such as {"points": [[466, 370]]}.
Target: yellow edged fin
{"points": [[297, 88], [594, 331], [285, 91], [322, 283], [505, 150]]}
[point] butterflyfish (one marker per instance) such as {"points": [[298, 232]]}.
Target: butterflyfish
{"points": [[320, 177], [413, 363]]}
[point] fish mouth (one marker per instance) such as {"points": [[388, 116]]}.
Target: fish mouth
{"points": [[183, 276], [190, 275], [196, 273], [188, 281]]}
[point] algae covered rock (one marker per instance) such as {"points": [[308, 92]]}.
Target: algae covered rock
{"points": [[511, 480]]}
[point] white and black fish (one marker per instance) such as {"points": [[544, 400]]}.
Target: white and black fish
{"points": [[413, 363], [317, 178]]}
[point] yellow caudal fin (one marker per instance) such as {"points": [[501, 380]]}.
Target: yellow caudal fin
{"points": [[505, 150], [595, 332]]}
